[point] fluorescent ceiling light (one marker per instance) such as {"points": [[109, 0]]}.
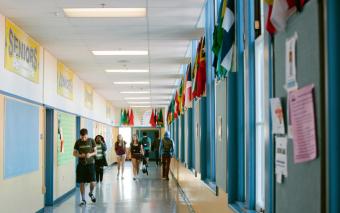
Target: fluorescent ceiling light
{"points": [[125, 71], [120, 52], [139, 102], [105, 12], [130, 82], [137, 98], [146, 106], [135, 92]]}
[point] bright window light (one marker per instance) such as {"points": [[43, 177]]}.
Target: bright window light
{"points": [[125, 71], [105, 12], [131, 82], [135, 92], [137, 98], [120, 52]]}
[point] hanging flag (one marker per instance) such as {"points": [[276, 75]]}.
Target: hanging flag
{"points": [[131, 118], [282, 9], [156, 117], [121, 117], [180, 97], [160, 120], [228, 26], [195, 68], [188, 92], [125, 117], [152, 119], [201, 72], [269, 25]]}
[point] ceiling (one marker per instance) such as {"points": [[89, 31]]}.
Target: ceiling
{"points": [[166, 32]]}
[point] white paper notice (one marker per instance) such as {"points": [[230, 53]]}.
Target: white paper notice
{"points": [[279, 178], [291, 83], [278, 125], [281, 155], [301, 103]]}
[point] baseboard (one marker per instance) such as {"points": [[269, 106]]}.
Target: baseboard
{"points": [[64, 196]]}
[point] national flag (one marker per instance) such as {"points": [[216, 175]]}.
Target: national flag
{"points": [[282, 9], [176, 108], [201, 72], [160, 120], [194, 71], [121, 117], [156, 117], [152, 119], [131, 118], [125, 117], [188, 92], [180, 97], [228, 26]]}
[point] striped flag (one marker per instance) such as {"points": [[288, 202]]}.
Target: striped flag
{"points": [[228, 26], [188, 92]]}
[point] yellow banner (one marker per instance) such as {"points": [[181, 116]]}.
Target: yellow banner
{"points": [[108, 109], [65, 81], [88, 94], [22, 53]]}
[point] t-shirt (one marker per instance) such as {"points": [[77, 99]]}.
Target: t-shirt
{"points": [[84, 147], [146, 142], [120, 147], [100, 151], [135, 148]]}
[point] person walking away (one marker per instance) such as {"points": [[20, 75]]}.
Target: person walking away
{"points": [[85, 150], [155, 148], [100, 157], [136, 155], [146, 142], [166, 150], [120, 148]]}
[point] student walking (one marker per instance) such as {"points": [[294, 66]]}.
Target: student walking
{"points": [[136, 155], [120, 148], [146, 142], [100, 157], [155, 148], [166, 150], [85, 150]]}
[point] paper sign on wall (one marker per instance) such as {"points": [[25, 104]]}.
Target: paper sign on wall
{"points": [[281, 156], [278, 125], [65, 81], [301, 103], [291, 83]]}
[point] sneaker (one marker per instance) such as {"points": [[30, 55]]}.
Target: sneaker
{"points": [[82, 203], [93, 199]]}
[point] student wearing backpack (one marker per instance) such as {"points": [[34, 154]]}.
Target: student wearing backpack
{"points": [[146, 142], [166, 150]]}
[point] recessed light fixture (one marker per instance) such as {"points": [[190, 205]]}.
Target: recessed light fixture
{"points": [[139, 102], [140, 106], [131, 82], [105, 12], [135, 92], [137, 98], [125, 71], [120, 52]]}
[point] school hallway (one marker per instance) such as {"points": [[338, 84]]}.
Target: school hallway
{"points": [[146, 194]]}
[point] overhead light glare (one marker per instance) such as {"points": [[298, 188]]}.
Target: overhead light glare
{"points": [[137, 98], [120, 52], [135, 92], [125, 71], [105, 12], [139, 102], [140, 106], [131, 82]]}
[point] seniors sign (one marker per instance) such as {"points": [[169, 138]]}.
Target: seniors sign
{"points": [[22, 53]]}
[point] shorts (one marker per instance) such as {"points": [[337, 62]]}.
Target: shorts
{"points": [[86, 173], [121, 157], [146, 153], [136, 156]]}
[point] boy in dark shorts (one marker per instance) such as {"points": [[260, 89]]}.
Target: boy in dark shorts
{"points": [[85, 150]]}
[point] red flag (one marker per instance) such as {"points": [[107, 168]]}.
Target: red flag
{"points": [[131, 118], [152, 120], [177, 111], [201, 71]]}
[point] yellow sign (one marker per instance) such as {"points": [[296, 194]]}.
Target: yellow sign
{"points": [[108, 109], [22, 53], [88, 96], [65, 81]]}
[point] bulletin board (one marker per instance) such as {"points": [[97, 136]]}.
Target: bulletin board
{"points": [[66, 137], [302, 190], [21, 147]]}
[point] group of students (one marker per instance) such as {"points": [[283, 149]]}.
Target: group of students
{"points": [[92, 158]]}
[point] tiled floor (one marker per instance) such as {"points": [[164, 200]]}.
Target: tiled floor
{"points": [[149, 194]]}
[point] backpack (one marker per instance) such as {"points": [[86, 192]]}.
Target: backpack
{"points": [[167, 145]]}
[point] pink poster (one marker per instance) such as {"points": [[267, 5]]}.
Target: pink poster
{"points": [[301, 104]]}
